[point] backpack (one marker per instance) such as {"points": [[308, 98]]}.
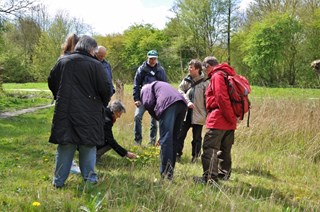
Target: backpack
{"points": [[239, 89]]}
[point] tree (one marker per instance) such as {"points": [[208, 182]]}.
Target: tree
{"points": [[115, 47], [139, 39], [11, 8], [271, 50], [15, 7]]}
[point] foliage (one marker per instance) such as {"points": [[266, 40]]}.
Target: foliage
{"points": [[138, 40], [271, 50], [273, 45]]}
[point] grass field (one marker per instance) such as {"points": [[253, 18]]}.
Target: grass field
{"points": [[275, 164]]}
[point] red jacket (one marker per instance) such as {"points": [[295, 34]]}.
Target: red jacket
{"points": [[218, 104]]}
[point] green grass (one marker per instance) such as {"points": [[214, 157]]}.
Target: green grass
{"points": [[275, 165], [18, 96]]}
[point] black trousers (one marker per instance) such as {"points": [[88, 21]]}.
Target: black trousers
{"points": [[196, 136]]}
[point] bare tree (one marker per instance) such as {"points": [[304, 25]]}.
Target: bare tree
{"points": [[14, 7]]}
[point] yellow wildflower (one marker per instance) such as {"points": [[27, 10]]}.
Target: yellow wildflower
{"points": [[36, 204]]}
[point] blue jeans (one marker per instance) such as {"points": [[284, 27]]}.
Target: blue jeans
{"points": [[170, 124], [64, 157], [138, 128]]}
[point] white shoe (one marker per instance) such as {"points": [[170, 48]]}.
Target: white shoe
{"points": [[75, 168]]}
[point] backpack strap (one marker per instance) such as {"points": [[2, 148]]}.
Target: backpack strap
{"points": [[194, 84]]}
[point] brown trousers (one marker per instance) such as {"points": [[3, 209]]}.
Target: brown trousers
{"points": [[216, 156]]}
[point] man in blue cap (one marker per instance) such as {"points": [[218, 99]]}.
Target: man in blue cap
{"points": [[148, 72]]}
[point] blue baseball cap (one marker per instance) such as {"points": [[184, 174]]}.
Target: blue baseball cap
{"points": [[152, 54]]}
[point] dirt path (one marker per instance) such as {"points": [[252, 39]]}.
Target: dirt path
{"points": [[23, 111]]}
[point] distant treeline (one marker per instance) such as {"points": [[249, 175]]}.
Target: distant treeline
{"points": [[272, 44]]}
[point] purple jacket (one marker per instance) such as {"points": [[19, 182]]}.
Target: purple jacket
{"points": [[157, 96]]}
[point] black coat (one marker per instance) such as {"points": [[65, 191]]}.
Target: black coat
{"points": [[108, 135], [80, 88]]}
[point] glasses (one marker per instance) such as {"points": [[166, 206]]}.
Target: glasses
{"points": [[206, 65]]}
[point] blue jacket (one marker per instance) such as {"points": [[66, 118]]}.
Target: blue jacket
{"points": [[157, 96], [146, 74], [108, 71]]}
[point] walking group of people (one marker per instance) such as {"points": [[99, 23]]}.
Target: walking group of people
{"points": [[81, 83]]}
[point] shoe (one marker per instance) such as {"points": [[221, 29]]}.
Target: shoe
{"points": [[203, 180], [194, 159], [136, 144], [178, 158], [57, 187], [224, 175], [75, 168], [167, 176]]}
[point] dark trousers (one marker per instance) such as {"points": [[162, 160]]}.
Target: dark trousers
{"points": [[216, 154], [170, 124], [102, 149], [196, 136]]}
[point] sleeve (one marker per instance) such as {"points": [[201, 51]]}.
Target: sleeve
{"points": [[163, 76], [103, 85], [223, 99], [137, 85], [54, 79], [182, 90], [111, 141], [148, 100], [109, 72]]}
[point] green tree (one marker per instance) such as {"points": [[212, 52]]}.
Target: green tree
{"points": [[21, 39], [115, 47], [49, 46], [271, 50], [138, 40]]}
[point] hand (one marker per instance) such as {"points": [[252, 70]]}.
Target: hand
{"points": [[190, 105], [137, 103], [131, 155]]}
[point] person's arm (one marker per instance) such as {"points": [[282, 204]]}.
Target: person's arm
{"points": [[103, 84], [54, 79], [137, 83], [109, 139]]}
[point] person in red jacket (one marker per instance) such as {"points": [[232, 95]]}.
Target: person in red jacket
{"points": [[221, 123]]}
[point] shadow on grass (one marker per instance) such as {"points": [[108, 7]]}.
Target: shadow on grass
{"points": [[254, 171], [249, 191]]}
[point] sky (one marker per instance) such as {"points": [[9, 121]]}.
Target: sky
{"points": [[115, 16]]}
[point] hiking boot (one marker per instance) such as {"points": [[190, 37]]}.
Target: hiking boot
{"points": [[224, 175], [137, 143], [203, 180], [194, 159], [178, 159]]}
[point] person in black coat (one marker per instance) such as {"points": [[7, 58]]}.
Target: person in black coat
{"points": [[81, 90], [112, 113]]}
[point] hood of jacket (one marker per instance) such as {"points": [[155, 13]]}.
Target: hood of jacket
{"points": [[222, 67]]}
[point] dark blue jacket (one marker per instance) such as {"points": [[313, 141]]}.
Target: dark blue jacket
{"points": [[146, 74], [108, 71]]}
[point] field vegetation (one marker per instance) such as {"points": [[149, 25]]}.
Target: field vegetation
{"points": [[275, 164]]}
